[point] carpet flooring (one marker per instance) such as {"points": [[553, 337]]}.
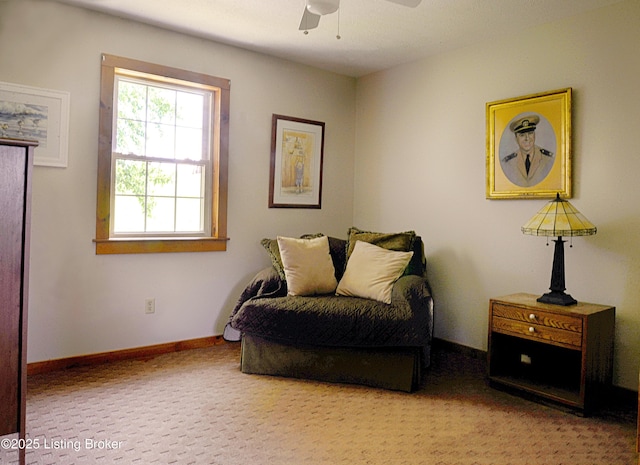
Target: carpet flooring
{"points": [[196, 407]]}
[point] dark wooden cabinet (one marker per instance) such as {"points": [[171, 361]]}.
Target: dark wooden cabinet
{"points": [[16, 166], [562, 354]]}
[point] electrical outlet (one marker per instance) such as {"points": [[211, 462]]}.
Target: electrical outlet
{"points": [[150, 306]]}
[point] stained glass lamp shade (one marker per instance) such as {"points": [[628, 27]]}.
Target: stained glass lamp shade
{"points": [[558, 219]]}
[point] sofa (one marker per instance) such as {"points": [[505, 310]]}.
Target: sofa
{"points": [[358, 310]]}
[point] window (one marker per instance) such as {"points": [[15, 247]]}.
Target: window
{"points": [[162, 161]]}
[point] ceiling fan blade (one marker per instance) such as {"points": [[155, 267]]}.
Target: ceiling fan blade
{"points": [[309, 20], [409, 3]]}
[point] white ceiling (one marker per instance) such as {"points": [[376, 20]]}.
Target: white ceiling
{"points": [[375, 34]]}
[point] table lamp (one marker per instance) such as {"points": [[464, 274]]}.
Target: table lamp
{"points": [[558, 219]]}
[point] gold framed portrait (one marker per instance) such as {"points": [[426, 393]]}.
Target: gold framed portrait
{"points": [[529, 146]]}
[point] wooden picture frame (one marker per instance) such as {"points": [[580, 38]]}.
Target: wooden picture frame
{"points": [[529, 146], [42, 115], [297, 150]]}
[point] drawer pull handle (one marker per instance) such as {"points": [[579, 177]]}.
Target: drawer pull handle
{"points": [[532, 316], [532, 329]]}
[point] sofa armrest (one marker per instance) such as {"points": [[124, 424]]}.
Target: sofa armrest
{"points": [[265, 283], [414, 293], [410, 288]]}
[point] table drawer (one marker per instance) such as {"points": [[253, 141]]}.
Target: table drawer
{"points": [[536, 331], [538, 317]]}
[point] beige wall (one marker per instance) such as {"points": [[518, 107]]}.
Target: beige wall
{"points": [[82, 303], [420, 164]]}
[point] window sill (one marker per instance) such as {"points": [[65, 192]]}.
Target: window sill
{"points": [[182, 244]]}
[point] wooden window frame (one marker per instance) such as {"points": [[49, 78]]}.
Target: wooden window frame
{"points": [[217, 241]]}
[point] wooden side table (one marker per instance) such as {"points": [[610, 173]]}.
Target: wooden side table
{"points": [[558, 353]]}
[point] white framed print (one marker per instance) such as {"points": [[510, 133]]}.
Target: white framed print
{"points": [[31, 113]]}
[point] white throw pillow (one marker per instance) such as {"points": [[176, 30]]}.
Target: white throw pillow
{"points": [[308, 267], [371, 272]]}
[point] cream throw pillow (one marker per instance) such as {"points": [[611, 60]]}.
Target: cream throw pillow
{"points": [[308, 267], [371, 272]]}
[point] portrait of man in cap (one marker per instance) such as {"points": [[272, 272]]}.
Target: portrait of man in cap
{"points": [[529, 164]]}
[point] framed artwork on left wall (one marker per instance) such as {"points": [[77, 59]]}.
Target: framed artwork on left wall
{"points": [[38, 114], [297, 150]]}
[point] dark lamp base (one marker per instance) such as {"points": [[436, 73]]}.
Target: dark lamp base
{"points": [[557, 298]]}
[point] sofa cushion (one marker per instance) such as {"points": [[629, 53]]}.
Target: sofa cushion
{"points": [[371, 272], [341, 321], [307, 265], [271, 246], [401, 241], [337, 248], [418, 264]]}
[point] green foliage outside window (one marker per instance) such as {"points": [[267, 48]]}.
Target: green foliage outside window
{"points": [[134, 177]]}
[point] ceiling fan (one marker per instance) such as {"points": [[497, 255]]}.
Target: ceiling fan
{"points": [[315, 8]]}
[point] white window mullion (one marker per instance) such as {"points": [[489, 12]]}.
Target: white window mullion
{"points": [[175, 197], [146, 196]]}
